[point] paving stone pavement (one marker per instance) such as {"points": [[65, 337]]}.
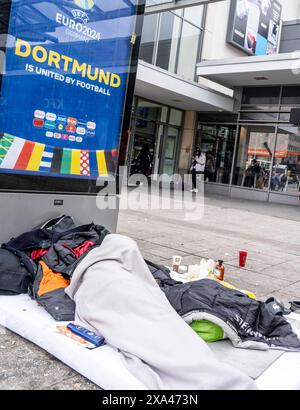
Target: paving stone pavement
{"points": [[270, 233]]}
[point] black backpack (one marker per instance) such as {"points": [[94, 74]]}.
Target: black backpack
{"points": [[16, 272]]}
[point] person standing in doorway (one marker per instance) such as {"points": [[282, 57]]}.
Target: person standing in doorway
{"points": [[197, 168], [210, 167], [144, 161]]}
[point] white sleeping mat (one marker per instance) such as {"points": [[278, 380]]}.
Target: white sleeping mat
{"points": [[103, 366]]}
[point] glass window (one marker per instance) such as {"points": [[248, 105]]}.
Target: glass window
{"points": [[149, 110], [217, 141], [286, 167], [217, 117], [254, 156], [168, 41], [151, 131], [290, 95], [148, 38], [261, 95], [153, 2], [171, 40], [176, 117], [259, 116], [188, 52], [194, 15]]}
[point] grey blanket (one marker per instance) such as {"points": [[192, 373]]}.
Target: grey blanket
{"points": [[117, 297]]}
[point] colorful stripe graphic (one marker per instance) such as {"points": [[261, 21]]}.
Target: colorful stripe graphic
{"points": [[56, 161], [85, 163], [46, 163], [20, 154], [66, 161], [5, 144], [13, 153], [25, 155], [102, 168], [36, 157], [75, 162]]}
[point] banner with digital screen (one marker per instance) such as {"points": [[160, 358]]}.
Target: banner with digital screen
{"points": [[64, 86], [254, 26]]}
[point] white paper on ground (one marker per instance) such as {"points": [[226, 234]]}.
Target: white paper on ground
{"points": [[103, 366]]}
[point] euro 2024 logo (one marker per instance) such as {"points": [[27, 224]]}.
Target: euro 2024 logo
{"points": [[85, 4]]}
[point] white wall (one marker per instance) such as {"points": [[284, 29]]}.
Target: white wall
{"points": [[214, 45], [290, 10]]}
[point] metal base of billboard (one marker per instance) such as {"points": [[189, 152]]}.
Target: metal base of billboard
{"points": [[21, 212]]}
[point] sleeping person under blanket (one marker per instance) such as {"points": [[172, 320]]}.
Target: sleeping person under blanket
{"points": [[116, 296]]}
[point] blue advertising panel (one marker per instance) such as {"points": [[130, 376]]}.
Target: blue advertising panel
{"points": [[64, 86]]}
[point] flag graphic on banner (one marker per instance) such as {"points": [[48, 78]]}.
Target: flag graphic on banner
{"points": [[25, 155], [46, 162], [20, 154], [13, 152], [85, 163], [5, 144]]}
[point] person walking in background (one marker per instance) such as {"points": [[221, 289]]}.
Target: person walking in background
{"points": [[197, 168]]}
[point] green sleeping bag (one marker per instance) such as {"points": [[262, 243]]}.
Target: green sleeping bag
{"points": [[208, 331]]}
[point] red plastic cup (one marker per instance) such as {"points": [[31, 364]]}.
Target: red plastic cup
{"points": [[243, 258]]}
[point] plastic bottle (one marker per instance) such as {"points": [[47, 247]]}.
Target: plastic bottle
{"points": [[219, 271]]}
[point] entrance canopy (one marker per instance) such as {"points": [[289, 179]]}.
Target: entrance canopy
{"points": [[156, 84], [267, 70]]}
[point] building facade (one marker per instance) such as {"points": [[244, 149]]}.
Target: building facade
{"points": [[205, 81]]}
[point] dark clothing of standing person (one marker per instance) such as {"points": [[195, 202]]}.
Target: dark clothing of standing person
{"points": [[144, 161]]}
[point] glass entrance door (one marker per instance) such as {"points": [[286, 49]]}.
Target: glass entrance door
{"points": [[170, 151], [217, 142], [253, 163], [143, 148]]}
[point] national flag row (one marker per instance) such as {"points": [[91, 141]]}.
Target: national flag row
{"points": [[20, 154]]}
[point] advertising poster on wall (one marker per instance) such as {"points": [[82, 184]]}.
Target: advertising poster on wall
{"points": [[64, 86], [254, 26]]}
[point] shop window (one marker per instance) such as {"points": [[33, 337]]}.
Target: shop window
{"points": [[154, 144], [217, 142], [290, 96], [151, 111], [254, 157], [261, 95], [216, 117], [259, 116], [286, 166]]}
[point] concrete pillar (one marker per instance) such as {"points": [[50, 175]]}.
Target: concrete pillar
{"points": [[187, 141]]}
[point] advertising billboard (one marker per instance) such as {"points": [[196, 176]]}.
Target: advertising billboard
{"points": [[64, 88], [254, 26]]}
